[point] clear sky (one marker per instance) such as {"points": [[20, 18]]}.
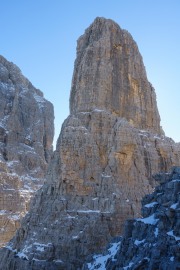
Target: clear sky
{"points": [[40, 37]]}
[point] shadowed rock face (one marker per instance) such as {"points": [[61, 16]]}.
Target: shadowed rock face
{"points": [[26, 134], [109, 147], [151, 242]]}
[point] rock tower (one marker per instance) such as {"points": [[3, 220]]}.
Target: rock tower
{"points": [[107, 151]]}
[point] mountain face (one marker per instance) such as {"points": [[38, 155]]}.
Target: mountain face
{"points": [[108, 149], [151, 242], [109, 74], [26, 134]]}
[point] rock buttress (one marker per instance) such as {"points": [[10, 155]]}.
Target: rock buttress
{"points": [[26, 134]]}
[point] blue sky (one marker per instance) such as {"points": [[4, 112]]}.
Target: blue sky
{"points": [[40, 37]]}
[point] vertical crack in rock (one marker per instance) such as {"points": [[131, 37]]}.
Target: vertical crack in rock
{"points": [[109, 147]]}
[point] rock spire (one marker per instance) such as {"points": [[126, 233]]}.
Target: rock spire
{"points": [[109, 74], [108, 149]]}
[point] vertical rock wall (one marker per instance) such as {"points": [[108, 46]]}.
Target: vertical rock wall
{"points": [[26, 134], [109, 75]]}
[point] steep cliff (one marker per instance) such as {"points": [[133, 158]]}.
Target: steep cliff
{"points": [[26, 134], [151, 242], [108, 149]]}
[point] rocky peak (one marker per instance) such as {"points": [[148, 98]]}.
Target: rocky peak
{"points": [[26, 135], [109, 74]]}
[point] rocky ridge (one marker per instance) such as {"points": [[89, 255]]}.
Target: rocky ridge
{"points": [[153, 241], [107, 151], [26, 135]]}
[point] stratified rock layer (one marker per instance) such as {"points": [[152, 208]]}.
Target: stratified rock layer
{"points": [[108, 149], [151, 242], [26, 134]]}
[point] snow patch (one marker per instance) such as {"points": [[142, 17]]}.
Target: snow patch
{"points": [[99, 261], [98, 110], [149, 220], [22, 255], [2, 212], [176, 180], [128, 266], [156, 232], [58, 261], [174, 206], [69, 216], [88, 211], [15, 217], [149, 205], [40, 247], [138, 242], [105, 175], [171, 233], [156, 137], [10, 248], [37, 260], [75, 237]]}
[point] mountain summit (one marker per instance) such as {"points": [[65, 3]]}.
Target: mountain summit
{"points": [[108, 149], [110, 75]]}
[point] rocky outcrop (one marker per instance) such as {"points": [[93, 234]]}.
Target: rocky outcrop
{"points": [[153, 241], [26, 134], [108, 149]]}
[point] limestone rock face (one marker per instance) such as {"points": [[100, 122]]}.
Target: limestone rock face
{"points": [[107, 151], [151, 242], [26, 134], [110, 75]]}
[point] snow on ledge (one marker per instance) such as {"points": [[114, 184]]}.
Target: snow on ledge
{"points": [[149, 205], [128, 266], [138, 242], [22, 255], [174, 206], [149, 220], [171, 233], [88, 211]]}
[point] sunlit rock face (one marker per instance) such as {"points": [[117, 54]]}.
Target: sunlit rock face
{"points": [[107, 151], [26, 134], [110, 75]]}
